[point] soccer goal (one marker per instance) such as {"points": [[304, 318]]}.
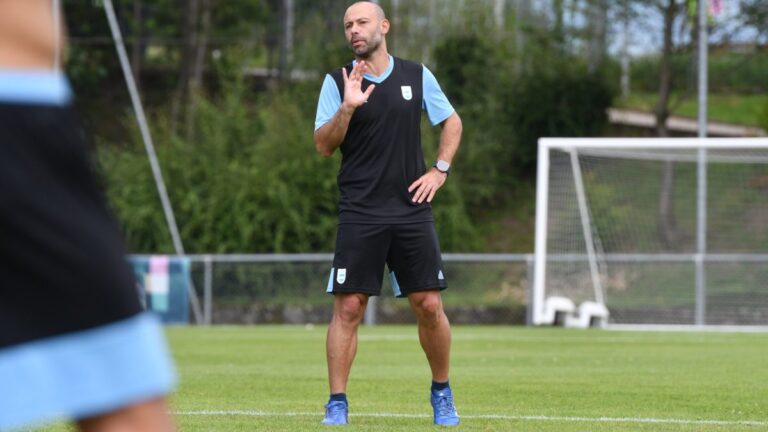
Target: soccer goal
{"points": [[651, 232]]}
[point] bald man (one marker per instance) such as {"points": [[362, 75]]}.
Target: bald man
{"points": [[74, 341], [371, 110]]}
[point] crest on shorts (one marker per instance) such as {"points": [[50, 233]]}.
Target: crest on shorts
{"points": [[407, 94], [440, 275], [341, 275]]}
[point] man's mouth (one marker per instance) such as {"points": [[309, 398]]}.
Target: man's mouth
{"points": [[357, 42]]}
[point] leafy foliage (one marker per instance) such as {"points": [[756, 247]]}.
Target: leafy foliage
{"points": [[567, 104], [249, 179]]}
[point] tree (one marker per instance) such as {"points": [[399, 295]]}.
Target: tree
{"points": [[196, 30], [669, 232], [755, 13], [598, 34]]}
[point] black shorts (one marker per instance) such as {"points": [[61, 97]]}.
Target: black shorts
{"points": [[411, 251], [62, 263]]}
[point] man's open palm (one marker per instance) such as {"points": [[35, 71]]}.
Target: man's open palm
{"points": [[353, 93]]}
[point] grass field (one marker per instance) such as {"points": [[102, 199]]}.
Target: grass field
{"points": [[273, 378], [748, 110]]}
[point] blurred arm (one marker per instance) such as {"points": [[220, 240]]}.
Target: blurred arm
{"points": [[28, 38]]}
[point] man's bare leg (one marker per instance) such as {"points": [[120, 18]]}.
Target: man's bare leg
{"points": [[341, 343], [146, 416], [434, 331], [435, 338]]}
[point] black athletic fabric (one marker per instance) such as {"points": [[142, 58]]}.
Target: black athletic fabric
{"points": [[381, 152], [62, 263], [411, 251]]}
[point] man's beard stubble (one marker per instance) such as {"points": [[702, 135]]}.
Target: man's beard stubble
{"points": [[366, 51]]}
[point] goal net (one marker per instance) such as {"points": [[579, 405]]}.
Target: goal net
{"points": [[653, 231]]}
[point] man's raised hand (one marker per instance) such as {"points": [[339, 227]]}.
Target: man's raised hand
{"points": [[353, 93]]}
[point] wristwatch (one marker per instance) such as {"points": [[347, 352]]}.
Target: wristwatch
{"points": [[443, 166]]}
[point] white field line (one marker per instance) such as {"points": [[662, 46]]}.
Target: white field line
{"points": [[570, 337], [485, 416]]}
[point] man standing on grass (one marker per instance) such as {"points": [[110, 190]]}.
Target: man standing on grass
{"points": [[371, 110]]}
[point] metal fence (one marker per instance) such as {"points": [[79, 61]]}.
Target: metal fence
{"points": [[485, 289], [290, 288]]}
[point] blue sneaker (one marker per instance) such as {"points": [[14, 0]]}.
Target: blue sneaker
{"points": [[336, 413], [445, 411]]}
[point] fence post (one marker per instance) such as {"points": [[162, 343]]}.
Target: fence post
{"points": [[529, 279], [207, 289], [370, 311]]}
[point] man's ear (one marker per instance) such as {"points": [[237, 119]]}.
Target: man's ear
{"points": [[384, 26]]}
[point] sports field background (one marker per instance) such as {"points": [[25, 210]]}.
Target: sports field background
{"points": [[273, 378]]}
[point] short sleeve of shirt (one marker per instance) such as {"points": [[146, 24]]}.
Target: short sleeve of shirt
{"points": [[435, 102], [329, 102]]}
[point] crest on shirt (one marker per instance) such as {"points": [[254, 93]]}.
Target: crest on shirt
{"points": [[341, 275], [407, 94]]}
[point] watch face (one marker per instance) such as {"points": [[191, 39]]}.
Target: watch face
{"points": [[442, 165]]}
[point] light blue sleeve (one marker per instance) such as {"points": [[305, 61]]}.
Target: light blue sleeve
{"points": [[329, 102], [435, 102]]}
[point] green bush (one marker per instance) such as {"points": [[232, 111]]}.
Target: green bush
{"points": [[248, 180], [546, 104], [468, 70], [740, 73], [245, 178]]}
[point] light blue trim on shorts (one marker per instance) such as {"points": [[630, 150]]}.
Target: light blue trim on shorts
{"points": [[86, 373], [329, 288], [395, 285], [36, 87]]}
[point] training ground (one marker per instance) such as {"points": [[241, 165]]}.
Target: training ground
{"points": [[273, 378]]}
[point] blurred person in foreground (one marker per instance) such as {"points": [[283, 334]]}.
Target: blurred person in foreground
{"points": [[74, 341], [371, 110]]}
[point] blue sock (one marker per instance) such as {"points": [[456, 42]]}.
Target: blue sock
{"points": [[339, 397], [436, 386]]}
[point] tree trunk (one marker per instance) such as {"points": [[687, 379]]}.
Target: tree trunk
{"points": [[598, 12], [191, 17], [670, 235], [559, 11], [498, 14], [665, 69], [625, 72], [285, 55], [198, 66], [137, 49], [431, 30]]}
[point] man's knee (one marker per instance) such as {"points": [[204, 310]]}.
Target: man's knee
{"points": [[428, 306], [350, 308]]}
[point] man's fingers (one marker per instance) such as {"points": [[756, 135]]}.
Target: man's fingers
{"points": [[414, 185], [358, 71], [421, 194], [344, 74], [416, 195], [431, 195], [369, 90], [424, 189]]}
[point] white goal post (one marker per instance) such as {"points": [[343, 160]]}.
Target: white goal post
{"points": [[651, 232]]}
